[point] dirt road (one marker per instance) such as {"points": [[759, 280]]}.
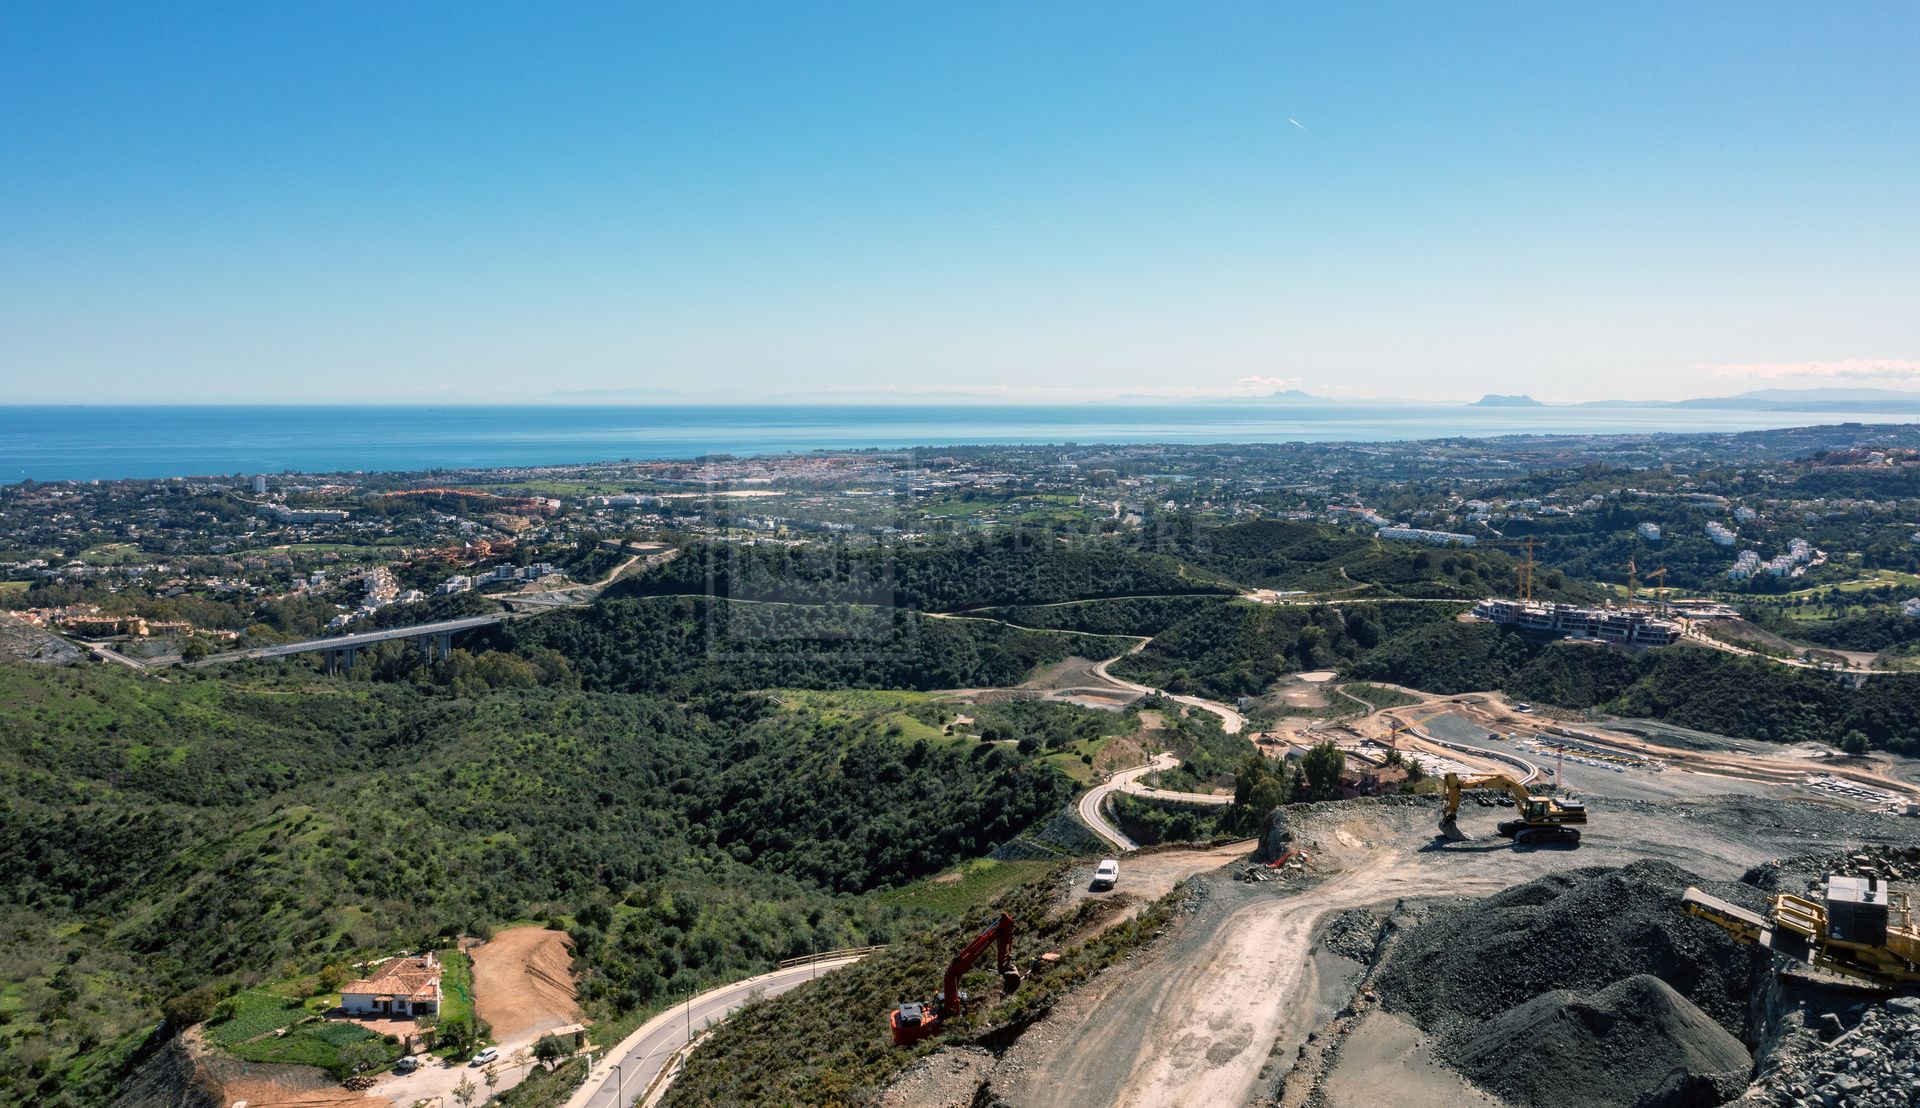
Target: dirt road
{"points": [[1195, 1024]]}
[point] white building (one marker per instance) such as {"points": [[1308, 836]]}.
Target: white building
{"points": [[1649, 531], [1719, 534], [1432, 538], [397, 987], [1911, 607]]}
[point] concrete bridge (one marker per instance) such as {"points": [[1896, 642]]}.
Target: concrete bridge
{"points": [[435, 639]]}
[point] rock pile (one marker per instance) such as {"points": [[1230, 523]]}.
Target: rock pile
{"points": [[1589, 986], [1581, 929], [1353, 934], [1634, 1042], [1874, 1065], [1888, 861]]}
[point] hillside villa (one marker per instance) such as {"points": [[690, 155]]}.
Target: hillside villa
{"points": [[406, 986]]}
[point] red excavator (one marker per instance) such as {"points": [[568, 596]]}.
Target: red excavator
{"points": [[913, 1022]]}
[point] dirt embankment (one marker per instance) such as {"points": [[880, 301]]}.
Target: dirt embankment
{"points": [[183, 1073], [523, 983]]}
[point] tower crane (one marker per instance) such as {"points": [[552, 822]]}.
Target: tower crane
{"points": [[1523, 570], [1660, 598]]}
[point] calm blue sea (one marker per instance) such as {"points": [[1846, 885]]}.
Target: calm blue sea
{"points": [[85, 443]]}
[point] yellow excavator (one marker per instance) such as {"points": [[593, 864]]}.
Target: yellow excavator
{"points": [[1863, 930], [1540, 819]]}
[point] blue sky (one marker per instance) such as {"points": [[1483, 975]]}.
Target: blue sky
{"points": [[483, 202]]}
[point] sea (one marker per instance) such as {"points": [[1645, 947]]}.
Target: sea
{"points": [[83, 443]]}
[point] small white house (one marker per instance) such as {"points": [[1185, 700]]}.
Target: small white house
{"points": [[397, 987]]}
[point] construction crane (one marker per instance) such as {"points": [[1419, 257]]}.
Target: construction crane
{"points": [[1523, 570], [1542, 819], [1660, 598], [1633, 579], [912, 1022], [1863, 930]]}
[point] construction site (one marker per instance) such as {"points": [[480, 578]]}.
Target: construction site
{"points": [[1586, 913], [1390, 963]]}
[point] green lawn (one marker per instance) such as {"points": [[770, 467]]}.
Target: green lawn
{"points": [[251, 1013], [1070, 762], [311, 1044], [972, 884], [456, 985], [19, 586]]}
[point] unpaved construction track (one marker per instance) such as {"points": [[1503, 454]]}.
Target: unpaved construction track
{"points": [[1234, 982]]}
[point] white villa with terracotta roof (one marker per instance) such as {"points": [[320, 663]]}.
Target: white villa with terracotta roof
{"points": [[408, 986]]}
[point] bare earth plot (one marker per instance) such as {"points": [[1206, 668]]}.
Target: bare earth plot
{"points": [[523, 983]]}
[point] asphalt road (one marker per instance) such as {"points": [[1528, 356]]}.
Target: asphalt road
{"points": [[361, 639], [641, 1056]]}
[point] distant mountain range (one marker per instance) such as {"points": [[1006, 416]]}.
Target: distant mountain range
{"points": [[1785, 400], [1758, 400]]}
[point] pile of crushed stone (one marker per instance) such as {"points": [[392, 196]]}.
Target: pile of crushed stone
{"points": [[1353, 934], [1875, 1064], [1588, 986], [1634, 1042], [1803, 872], [1580, 929]]}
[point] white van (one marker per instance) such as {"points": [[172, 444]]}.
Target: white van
{"points": [[1106, 874]]}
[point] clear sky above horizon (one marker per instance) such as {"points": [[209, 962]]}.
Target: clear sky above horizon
{"points": [[725, 201]]}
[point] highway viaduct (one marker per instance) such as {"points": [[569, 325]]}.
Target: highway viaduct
{"points": [[435, 639]]}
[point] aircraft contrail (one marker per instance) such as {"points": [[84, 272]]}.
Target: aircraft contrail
{"points": [[1296, 123]]}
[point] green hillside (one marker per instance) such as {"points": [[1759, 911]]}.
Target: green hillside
{"points": [[188, 837]]}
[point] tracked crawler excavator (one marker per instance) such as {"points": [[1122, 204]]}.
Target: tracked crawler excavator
{"points": [[1540, 820], [1860, 929], [913, 1022]]}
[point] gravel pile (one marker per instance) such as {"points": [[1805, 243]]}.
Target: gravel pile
{"points": [[1353, 934], [1581, 929], [1634, 1042], [1888, 861], [1875, 1065]]}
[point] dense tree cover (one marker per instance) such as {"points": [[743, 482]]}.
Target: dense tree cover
{"points": [[1207, 753], [1239, 648], [1691, 686], [1290, 555], [1150, 824], [671, 643], [1148, 615], [1867, 619], [785, 804], [213, 831], [1012, 568]]}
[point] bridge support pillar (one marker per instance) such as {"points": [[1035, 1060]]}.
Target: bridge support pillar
{"points": [[444, 642]]}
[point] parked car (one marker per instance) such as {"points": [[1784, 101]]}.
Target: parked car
{"points": [[1106, 874], [485, 1056], [406, 1065]]}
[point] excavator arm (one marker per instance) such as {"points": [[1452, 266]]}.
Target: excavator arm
{"points": [[1542, 819], [1000, 934], [1455, 784]]}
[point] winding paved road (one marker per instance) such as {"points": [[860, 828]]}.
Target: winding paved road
{"points": [[632, 1066], [1128, 781]]}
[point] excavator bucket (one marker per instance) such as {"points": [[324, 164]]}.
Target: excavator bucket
{"points": [[1450, 831]]}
